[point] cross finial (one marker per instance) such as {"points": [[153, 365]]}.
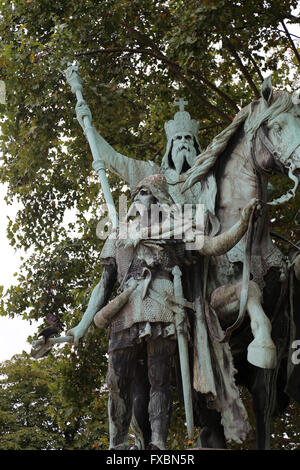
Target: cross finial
{"points": [[181, 103]]}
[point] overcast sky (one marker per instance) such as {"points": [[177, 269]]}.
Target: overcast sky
{"points": [[13, 332]]}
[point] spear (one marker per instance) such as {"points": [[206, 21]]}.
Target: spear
{"points": [[74, 80]]}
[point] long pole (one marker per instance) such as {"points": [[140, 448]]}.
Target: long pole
{"points": [[74, 80]]}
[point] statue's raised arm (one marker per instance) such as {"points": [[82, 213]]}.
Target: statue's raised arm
{"points": [[129, 169], [181, 150]]}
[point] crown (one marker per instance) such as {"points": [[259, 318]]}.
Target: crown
{"points": [[182, 122]]}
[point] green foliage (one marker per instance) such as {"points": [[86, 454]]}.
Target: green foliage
{"points": [[55, 403], [24, 407], [136, 57]]}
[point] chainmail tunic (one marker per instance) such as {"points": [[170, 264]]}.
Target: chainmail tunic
{"points": [[146, 313]]}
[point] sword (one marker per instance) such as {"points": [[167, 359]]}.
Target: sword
{"points": [[74, 80], [181, 328]]}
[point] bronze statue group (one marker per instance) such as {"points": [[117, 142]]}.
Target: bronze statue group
{"points": [[178, 317]]}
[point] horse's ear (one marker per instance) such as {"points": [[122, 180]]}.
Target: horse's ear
{"points": [[266, 90]]}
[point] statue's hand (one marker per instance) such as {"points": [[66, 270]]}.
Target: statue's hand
{"points": [[82, 110], [77, 332], [246, 212]]}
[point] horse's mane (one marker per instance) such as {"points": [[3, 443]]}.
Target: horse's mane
{"points": [[281, 103], [253, 115]]}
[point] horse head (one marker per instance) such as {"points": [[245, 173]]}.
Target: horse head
{"points": [[274, 128]]}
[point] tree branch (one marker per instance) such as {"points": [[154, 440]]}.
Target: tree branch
{"points": [[192, 89], [291, 34], [107, 51], [164, 59], [211, 126], [253, 62], [241, 66], [215, 89], [291, 42], [175, 69]]}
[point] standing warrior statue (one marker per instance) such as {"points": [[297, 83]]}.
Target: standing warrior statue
{"points": [[142, 324], [182, 149]]}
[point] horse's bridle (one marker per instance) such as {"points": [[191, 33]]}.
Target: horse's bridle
{"points": [[262, 135], [279, 160]]}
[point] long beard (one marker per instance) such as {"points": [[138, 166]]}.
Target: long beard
{"points": [[179, 157]]}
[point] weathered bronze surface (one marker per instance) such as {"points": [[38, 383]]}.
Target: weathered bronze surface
{"points": [[226, 305]]}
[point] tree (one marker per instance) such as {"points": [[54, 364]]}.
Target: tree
{"points": [[54, 404], [136, 57], [25, 421]]}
